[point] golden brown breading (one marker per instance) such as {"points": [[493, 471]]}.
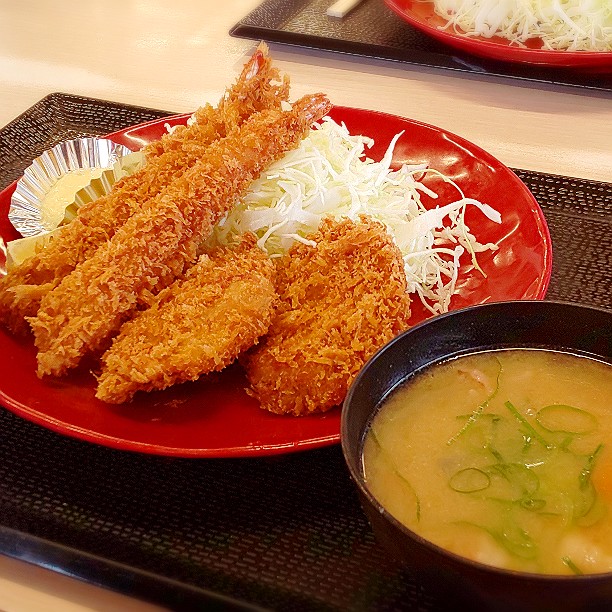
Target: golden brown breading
{"points": [[158, 243], [197, 325], [258, 88], [339, 302]]}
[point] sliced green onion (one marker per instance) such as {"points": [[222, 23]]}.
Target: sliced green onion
{"points": [[469, 480], [479, 410], [527, 425], [517, 541], [566, 419], [585, 473], [585, 501], [533, 505], [513, 539], [569, 563], [397, 472], [519, 475]]}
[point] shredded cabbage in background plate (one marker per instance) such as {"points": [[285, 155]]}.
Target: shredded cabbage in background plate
{"points": [[330, 175], [570, 25]]}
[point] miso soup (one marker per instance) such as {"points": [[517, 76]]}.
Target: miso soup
{"points": [[504, 457]]}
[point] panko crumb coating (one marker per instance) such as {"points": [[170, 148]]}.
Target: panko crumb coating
{"points": [[339, 302], [197, 325]]}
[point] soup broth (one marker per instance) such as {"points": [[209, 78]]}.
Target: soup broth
{"points": [[504, 457]]}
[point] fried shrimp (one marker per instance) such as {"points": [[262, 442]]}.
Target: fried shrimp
{"points": [[258, 88], [339, 302], [157, 244], [197, 325]]}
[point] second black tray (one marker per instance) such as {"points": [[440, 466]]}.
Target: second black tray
{"points": [[372, 30]]}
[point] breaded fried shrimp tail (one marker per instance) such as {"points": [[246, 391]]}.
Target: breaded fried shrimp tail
{"points": [[197, 325], [157, 244], [258, 88]]}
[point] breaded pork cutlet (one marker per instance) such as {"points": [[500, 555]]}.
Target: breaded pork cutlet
{"points": [[156, 245], [197, 325], [339, 302], [258, 88]]}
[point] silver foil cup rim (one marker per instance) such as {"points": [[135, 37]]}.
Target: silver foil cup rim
{"points": [[25, 211]]}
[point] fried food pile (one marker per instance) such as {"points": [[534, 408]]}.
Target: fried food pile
{"points": [[258, 89], [130, 282]]}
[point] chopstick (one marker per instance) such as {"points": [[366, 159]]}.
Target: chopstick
{"points": [[341, 8]]}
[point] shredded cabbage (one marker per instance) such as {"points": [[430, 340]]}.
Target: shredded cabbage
{"points": [[571, 25], [330, 175]]}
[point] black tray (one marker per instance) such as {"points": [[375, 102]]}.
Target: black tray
{"points": [[373, 30], [283, 533]]}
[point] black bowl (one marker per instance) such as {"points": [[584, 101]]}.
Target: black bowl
{"points": [[524, 324]]}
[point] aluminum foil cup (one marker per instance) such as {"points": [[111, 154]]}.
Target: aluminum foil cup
{"points": [[49, 185]]}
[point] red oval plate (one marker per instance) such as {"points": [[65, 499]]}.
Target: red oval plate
{"points": [[214, 417], [421, 15]]}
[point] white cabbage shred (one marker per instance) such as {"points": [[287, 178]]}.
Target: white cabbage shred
{"points": [[330, 175], [570, 25]]}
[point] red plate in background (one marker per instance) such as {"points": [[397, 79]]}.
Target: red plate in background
{"points": [[214, 417], [421, 16]]}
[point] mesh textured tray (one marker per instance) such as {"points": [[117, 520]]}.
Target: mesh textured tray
{"points": [[277, 533], [373, 30]]}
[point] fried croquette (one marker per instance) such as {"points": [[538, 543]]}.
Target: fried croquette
{"points": [[197, 325], [258, 88], [157, 244], [339, 302]]}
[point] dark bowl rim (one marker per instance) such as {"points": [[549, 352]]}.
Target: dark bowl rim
{"points": [[357, 476]]}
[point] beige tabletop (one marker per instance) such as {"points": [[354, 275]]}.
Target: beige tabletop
{"points": [[177, 55]]}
